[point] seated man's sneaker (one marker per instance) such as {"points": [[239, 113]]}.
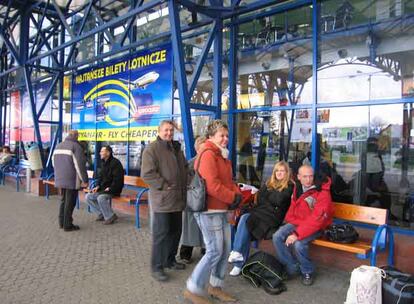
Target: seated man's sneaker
{"points": [[111, 220], [307, 279], [100, 218], [160, 276], [195, 298], [176, 265], [235, 271], [235, 257], [218, 293]]}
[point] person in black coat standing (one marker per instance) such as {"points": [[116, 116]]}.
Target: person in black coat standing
{"points": [[109, 183], [273, 201]]}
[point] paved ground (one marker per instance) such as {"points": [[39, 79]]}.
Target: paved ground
{"points": [[40, 263]]}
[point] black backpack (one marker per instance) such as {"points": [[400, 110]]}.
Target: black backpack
{"points": [[263, 269], [342, 233], [397, 287]]}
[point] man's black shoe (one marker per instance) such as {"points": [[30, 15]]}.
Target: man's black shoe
{"points": [[307, 279], [100, 218], [176, 266], [160, 276], [71, 228]]}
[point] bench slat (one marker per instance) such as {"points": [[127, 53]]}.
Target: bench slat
{"points": [[358, 247], [135, 181], [361, 214]]}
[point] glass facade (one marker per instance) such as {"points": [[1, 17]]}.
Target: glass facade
{"points": [[342, 97]]}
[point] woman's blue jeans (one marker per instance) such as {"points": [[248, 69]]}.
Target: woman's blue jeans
{"points": [[242, 240], [213, 265]]}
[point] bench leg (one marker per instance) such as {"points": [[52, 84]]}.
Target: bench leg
{"points": [[77, 202], [17, 184], [137, 223], [137, 204], [47, 191]]}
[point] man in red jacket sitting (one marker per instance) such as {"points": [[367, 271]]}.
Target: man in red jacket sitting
{"points": [[310, 212]]}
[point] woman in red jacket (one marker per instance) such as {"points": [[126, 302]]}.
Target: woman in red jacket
{"points": [[222, 195]]}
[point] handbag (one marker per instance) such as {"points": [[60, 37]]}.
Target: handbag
{"points": [[343, 233], [196, 190]]}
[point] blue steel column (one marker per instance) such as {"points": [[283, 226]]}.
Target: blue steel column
{"points": [[315, 54], [218, 64], [181, 77], [232, 81], [24, 51]]}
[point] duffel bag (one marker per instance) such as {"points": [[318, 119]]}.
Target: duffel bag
{"points": [[263, 269], [397, 287]]}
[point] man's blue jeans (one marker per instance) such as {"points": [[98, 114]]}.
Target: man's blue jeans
{"points": [[100, 203], [242, 240], [297, 253], [213, 265]]}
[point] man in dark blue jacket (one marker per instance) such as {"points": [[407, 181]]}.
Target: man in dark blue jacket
{"points": [[110, 183], [70, 175]]}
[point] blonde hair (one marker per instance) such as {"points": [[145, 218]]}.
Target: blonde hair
{"points": [[274, 183], [199, 141]]}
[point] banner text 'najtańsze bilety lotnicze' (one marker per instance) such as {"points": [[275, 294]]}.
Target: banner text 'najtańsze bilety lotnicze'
{"points": [[123, 99]]}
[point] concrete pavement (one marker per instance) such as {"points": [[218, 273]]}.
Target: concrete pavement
{"points": [[40, 263]]}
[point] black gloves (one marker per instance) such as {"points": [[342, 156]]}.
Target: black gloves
{"points": [[237, 200]]}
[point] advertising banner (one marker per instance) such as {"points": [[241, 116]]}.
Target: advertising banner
{"points": [[124, 99]]}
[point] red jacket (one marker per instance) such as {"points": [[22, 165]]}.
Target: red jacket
{"points": [[309, 220], [217, 172]]}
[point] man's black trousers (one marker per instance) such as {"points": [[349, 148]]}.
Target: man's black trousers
{"points": [[67, 205], [166, 233]]}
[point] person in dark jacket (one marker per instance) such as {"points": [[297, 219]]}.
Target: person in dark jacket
{"points": [[164, 170], [109, 183], [191, 235], [70, 175], [310, 212], [273, 201]]}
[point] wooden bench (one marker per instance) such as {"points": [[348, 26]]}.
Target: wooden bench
{"points": [[49, 181], [365, 215], [137, 184], [16, 169]]}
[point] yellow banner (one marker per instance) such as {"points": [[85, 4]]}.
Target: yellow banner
{"points": [[119, 134]]}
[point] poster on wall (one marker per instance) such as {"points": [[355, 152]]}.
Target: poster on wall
{"points": [[124, 99], [15, 116], [306, 115]]}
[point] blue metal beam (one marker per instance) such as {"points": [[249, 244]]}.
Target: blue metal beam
{"points": [[113, 22], [203, 107], [218, 68], [210, 11], [83, 23], [10, 46], [315, 55], [48, 95], [29, 89], [232, 79], [181, 77], [39, 28], [130, 22], [45, 40], [202, 59], [289, 5]]}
